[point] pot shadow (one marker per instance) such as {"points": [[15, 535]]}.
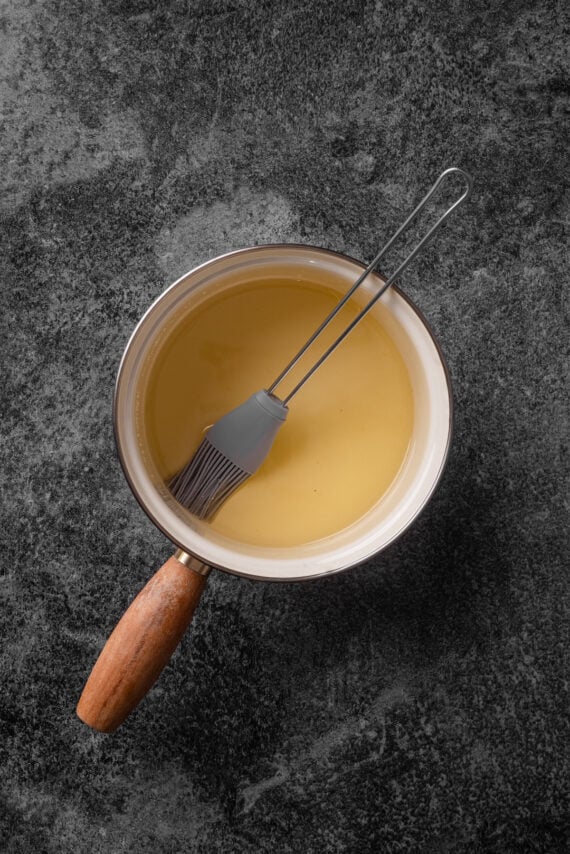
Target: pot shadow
{"points": [[435, 592], [266, 664]]}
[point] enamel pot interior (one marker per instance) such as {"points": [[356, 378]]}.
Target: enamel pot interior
{"points": [[413, 485]]}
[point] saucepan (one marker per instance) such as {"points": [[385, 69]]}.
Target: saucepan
{"points": [[148, 633]]}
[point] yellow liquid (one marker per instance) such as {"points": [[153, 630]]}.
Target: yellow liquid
{"points": [[348, 429]]}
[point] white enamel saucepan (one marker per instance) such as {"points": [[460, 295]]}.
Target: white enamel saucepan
{"points": [[146, 636]]}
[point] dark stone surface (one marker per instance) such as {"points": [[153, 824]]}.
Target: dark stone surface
{"points": [[416, 704]]}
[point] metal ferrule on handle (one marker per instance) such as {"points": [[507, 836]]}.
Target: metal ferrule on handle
{"points": [[390, 281]]}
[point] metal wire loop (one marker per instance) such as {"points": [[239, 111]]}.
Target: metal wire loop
{"points": [[453, 170]]}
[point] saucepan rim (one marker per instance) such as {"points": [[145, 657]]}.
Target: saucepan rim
{"points": [[122, 377]]}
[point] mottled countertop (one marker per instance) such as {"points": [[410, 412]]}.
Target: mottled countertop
{"points": [[418, 703]]}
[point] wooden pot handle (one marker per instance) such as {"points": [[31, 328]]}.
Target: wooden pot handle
{"points": [[142, 642]]}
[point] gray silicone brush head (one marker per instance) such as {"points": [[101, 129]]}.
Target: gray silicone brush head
{"points": [[232, 450]]}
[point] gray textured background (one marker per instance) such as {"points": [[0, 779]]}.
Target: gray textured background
{"points": [[418, 703]]}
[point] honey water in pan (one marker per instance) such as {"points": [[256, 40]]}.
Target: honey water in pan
{"points": [[346, 435]]}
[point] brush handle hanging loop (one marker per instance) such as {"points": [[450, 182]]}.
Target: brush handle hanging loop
{"points": [[454, 170]]}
